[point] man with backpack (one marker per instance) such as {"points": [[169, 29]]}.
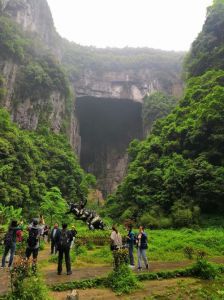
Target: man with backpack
{"points": [[10, 243], [64, 238], [33, 241]]}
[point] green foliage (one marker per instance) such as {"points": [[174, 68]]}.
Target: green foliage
{"points": [[205, 270], [54, 206], [208, 49], [32, 163], [156, 106], [122, 280], [37, 79], [39, 73], [120, 257], [77, 58], [25, 283], [8, 213], [182, 160]]}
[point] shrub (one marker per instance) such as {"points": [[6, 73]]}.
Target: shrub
{"points": [[26, 284], [205, 270], [120, 257], [122, 280], [147, 220], [189, 251]]}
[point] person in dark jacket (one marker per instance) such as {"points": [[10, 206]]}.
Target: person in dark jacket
{"points": [[33, 242], [131, 242], [10, 243], [63, 240], [142, 245], [54, 232]]}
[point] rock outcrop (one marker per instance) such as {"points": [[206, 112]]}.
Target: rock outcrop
{"points": [[129, 84]]}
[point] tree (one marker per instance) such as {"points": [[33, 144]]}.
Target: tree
{"points": [[53, 205]]}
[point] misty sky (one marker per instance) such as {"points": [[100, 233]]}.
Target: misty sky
{"points": [[162, 24]]}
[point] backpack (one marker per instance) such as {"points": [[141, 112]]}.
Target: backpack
{"points": [[8, 239], [33, 237], [64, 240]]}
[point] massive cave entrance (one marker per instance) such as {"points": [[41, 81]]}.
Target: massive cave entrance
{"points": [[107, 126]]}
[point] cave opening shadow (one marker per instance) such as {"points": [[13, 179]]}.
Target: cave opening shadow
{"points": [[107, 126]]}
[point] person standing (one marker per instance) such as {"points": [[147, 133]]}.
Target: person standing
{"points": [[116, 244], [116, 239], [33, 242], [10, 243], [64, 238], [54, 232], [131, 242], [142, 244]]}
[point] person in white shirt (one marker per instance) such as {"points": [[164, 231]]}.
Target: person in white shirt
{"points": [[116, 239]]}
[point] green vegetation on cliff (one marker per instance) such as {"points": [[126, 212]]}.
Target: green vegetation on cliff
{"points": [[179, 169], [33, 162], [78, 58], [207, 50], [39, 73], [156, 106]]}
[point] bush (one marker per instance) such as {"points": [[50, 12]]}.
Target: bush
{"points": [[26, 284], [120, 257], [32, 288], [204, 270], [122, 280], [147, 220]]}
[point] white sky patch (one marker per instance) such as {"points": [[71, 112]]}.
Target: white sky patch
{"points": [[161, 24]]}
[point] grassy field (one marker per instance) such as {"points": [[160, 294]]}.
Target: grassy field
{"points": [[164, 245]]}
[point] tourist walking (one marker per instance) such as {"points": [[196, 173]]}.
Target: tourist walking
{"points": [[64, 238], [33, 242], [54, 233], [10, 243], [130, 243], [142, 245]]}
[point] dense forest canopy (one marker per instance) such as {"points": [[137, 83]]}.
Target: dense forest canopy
{"points": [[178, 170], [33, 162], [78, 58]]}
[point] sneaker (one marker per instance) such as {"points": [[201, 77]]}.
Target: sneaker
{"points": [[139, 269], [59, 273], [69, 273], [132, 266]]}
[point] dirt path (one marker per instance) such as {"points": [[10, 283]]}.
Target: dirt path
{"points": [[170, 289], [89, 271]]}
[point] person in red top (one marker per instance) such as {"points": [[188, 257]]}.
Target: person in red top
{"points": [[19, 236]]}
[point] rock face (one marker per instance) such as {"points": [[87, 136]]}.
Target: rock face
{"points": [[33, 16], [107, 115], [128, 84]]}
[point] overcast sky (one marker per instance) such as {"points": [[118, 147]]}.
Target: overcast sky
{"points": [[161, 24]]}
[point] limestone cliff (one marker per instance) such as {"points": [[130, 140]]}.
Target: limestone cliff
{"points": [[34, 42], [33, 16], [109, 84]]}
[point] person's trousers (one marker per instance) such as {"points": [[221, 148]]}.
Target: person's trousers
{"points": [[61, 253], [53, 247], [131, 256], [12, 250], [142, 254]]}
